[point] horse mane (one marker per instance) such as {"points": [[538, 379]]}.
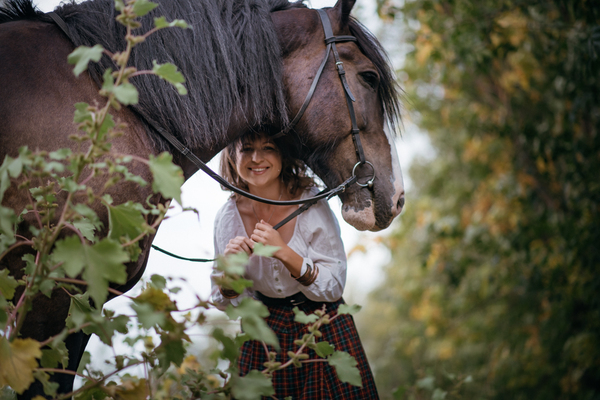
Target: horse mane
{"points": [[230, 59]]}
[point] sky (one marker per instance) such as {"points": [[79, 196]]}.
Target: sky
{"points": [[190, 235]]}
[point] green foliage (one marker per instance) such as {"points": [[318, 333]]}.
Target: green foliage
{"points": [[167, 177], [492, 291]]}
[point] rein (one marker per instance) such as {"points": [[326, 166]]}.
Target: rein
{"points": [[330, 41]]}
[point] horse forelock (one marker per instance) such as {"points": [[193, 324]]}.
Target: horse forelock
{"points": [[388, 91]]}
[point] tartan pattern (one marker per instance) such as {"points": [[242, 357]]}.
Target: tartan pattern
{"points": [[316, 380]]}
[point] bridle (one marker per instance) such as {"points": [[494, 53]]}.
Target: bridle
{"points": [[330, 41]]}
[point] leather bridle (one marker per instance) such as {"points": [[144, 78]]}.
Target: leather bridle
{"points": [[330, 41]]}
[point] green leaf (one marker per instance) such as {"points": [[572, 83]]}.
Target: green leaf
{"points": [[88, 213], [438, 394], [143, 7], [82, 55], [252, 386], [324, 349], [126, 94], [125, 220], [230, 349], [169, 73], [161, 22], [8, 284], [348, 309], [264, 251], [103, 262], [119, 5], [252, 313], [82, 113], [50, 388], [345, 367], [147, 315], [86, 228], [7, 221], [158, 281], [61, 154], [170, 350], [168, 177], [302, 318], [70, 251], [50, 358]]}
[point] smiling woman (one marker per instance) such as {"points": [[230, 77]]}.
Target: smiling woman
{"points": [[308, 269]]}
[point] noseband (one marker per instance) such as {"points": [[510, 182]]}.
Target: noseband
{"points": [[330, 41]]}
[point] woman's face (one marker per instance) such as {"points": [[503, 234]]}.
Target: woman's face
{"points": [[258, 162]]}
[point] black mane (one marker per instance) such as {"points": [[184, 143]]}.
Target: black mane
{"points": [[230, 58]]}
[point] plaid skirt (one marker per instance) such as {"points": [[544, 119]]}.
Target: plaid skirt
{"points": [[317, 380]]}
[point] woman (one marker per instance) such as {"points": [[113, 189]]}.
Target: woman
{"points": [[308, 270]]}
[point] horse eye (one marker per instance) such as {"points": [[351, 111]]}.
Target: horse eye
{"points": [[370, 78]]}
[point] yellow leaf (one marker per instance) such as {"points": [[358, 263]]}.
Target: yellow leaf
{"points": [[18, 360]]}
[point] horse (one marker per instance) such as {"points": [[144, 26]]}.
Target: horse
{"points": [[248, 65]]}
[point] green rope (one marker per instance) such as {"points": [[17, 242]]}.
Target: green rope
{"points": [[182, 258]]}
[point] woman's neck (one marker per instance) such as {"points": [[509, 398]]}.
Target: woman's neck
{"points": [[272, 192]]}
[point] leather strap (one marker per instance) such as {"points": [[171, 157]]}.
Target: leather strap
{"points": [[60, 23]]}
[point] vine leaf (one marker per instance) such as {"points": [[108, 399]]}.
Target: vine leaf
{"points": [[125, 220], [82, 55], [345, 367], [143, 7], [302, 318], [324, 349], [18, 360], [169, 73], [252, 386], [252, 313], [103, 262], [168, 177], [161, 22], [7, 284], [348, 309]]}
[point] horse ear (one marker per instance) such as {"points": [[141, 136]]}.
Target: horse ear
{"points": [[343, 8]]}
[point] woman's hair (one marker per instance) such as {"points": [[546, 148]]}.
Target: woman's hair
{"points": [[293, 171]]}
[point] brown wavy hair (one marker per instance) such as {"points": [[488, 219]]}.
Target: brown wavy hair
{"points": [[294, 172]]}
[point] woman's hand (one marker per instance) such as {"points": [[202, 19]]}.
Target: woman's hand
{"points": [[265, 234], [239, 244]]}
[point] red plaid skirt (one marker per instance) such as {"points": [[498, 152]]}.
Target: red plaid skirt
{"points": [[313, 380]]}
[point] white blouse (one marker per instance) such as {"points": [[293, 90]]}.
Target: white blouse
{"points": [[316, 239]]}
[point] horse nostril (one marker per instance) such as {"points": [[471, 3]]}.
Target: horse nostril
{"points": [[401, 202]]}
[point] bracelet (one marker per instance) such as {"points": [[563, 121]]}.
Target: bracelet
{"points": [[309, 276], [228, 293]]}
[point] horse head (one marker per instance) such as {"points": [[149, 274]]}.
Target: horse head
{"points": [[324, 129]]}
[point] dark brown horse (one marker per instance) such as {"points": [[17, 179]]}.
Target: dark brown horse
{"points": [[247, 63]]}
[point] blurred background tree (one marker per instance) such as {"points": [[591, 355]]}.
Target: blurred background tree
{"points": [[493, 291]]}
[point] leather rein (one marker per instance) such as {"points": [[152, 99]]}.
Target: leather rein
{"points": [[330, 41]]}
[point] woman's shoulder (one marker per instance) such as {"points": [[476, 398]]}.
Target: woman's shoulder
{"points": [[227, 214]]}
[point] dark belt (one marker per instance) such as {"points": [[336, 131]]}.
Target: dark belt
{"points": [[291, 301]]}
